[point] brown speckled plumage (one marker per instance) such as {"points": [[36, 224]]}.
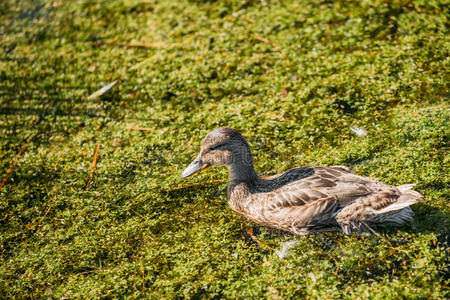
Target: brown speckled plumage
{"points": [[306, 199]]}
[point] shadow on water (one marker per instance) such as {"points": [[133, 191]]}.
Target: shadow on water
{"points": [[430, 218], [50, 112]]}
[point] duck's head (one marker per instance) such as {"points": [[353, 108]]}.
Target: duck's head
{"points": [[221, 147]]}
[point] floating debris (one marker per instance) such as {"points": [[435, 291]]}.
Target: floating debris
{"points": [[284, 252], [133, 127], [102, 90], [94, 163], [13, 164], [359, 131], [312, 277], [118, 142]]}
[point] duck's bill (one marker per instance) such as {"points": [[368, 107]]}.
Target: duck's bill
{"points": [[195, 166]]}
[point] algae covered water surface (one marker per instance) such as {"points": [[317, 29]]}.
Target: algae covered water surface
{"points": [[92, 204]]}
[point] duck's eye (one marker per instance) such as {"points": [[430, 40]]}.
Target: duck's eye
{"points": [[215, 147]]}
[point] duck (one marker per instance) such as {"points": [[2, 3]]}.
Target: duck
{"points": [[303, 200]]}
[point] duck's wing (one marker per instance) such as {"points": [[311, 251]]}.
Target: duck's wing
{"points": [[313, 201], [325, 183], [334, 198]]}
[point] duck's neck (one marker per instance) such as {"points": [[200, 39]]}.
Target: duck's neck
{"points": [[242, 170]]}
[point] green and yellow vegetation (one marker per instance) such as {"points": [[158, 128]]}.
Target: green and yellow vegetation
{"points": [[293, 76]]}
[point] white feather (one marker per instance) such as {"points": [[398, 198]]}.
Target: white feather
{"points": [[359, 131], [284, 252]]}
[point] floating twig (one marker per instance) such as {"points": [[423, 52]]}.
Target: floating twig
{"points": [[94, 163], [102, 90], [45, 214], [260, 38], [13, 164], [132, 127], [135, 45], [266, 41]]}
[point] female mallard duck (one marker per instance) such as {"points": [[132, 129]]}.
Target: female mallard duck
{"points": [[306, 199]]}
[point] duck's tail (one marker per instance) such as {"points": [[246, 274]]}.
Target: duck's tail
{"points": [[362, 214], [399, 212]]}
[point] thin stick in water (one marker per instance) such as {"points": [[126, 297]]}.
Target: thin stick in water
{"points": [[94, 163], [13, 164]]}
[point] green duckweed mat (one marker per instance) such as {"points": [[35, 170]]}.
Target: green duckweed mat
{"points": [[293, 76]]}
